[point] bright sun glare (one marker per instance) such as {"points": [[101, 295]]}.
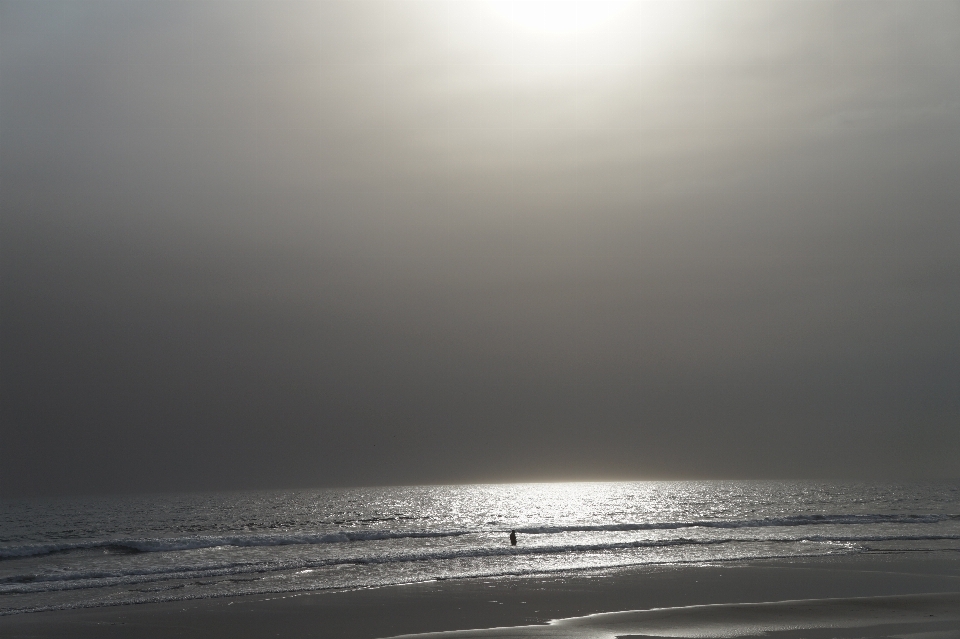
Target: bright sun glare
{"points": [[557, 16]]}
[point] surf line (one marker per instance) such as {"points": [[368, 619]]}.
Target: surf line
{"points": [[721, 621]]}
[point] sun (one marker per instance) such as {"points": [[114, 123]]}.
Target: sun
{"points": [[557, 16]]}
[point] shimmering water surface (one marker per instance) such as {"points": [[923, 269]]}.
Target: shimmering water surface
{"points": [[88, 552]]}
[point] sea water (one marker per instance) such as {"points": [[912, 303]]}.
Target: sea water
{"points": [[69, 553]]}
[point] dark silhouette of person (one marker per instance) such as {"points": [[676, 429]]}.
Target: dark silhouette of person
{"points": [[513, 537]]}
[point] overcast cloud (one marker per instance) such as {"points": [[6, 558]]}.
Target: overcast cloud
{"points": [[277, 244]]}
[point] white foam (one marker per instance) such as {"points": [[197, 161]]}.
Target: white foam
{"points": [[252, 540], [173, 544], [793, 520]]}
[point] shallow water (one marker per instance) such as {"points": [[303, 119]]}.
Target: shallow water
{"points": [[97, 551], [930, 616]]}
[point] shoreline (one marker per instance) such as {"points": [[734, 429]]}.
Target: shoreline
{"points": [[913, 615], [483, 603]]}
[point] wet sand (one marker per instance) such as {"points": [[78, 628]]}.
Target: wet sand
{"points": [[902, 615], [531, 601]]}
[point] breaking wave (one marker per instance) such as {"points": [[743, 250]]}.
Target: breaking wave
{"points": [[174, 544]]}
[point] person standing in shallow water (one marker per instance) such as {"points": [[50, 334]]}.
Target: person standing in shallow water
{"points": [[513, 537]]}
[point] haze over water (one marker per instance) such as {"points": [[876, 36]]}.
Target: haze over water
{"points": [[440, 245], [376, 242]]}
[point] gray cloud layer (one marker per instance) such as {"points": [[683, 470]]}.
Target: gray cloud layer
{"points": [[306, 243]]}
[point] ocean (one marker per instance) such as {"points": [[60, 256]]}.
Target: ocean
{"points": [[96, 551]]}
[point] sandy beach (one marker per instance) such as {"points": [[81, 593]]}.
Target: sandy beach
{"points": [[803, 598]]}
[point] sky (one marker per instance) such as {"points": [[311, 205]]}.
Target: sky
{"points": [[370, 242]]}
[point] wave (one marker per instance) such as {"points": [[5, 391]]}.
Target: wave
{"points": [[174, 544], [790, 521], [199, 542], [66, 580], [100, 578], [156, 596]]}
